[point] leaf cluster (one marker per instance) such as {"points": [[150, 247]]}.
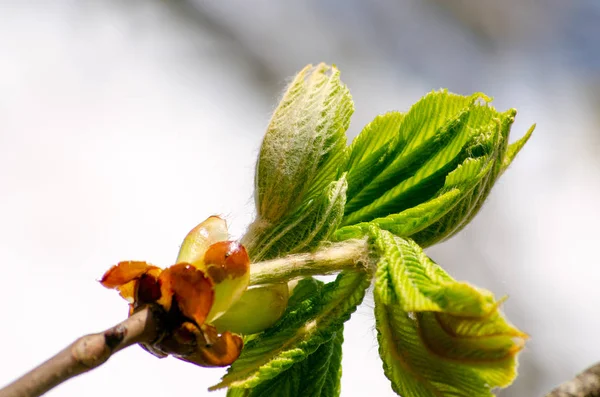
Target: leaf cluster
{"points": [[407, 181]]}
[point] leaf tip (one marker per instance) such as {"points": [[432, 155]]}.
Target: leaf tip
{"points": [[514, 148], [481, 99]]}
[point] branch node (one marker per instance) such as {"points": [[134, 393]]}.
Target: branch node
{"points": [[114, 336], [90, 351]]}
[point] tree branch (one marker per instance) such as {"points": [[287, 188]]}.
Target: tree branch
{"points": [[86, 353], [586, 384], [91, 351]]}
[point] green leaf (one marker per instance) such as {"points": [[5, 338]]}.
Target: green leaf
{"points": [[407, 222], [438, 337], [411, 175], [317, 376], [515, 148], [314, 315], [332, 386], [432, 215], [372, 150], [374, 137], [430, 179], [304, 143], [477, 180], [420, 284], [238, 392], [437, 111], [303, 229]]}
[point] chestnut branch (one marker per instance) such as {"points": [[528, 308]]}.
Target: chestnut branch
{"points": [[586, 384], [86, 353]]}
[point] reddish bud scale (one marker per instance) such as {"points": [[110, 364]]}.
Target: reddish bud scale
{"points": [[148, 289], [226, 259], [190, 288], [123, 272]]}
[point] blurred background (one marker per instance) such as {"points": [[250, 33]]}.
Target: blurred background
{"points": [[123, 124]]}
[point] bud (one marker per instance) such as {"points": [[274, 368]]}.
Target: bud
{"points": [[210, 275], [197, 241], [259, 308], [304, 140], [225, 262], [228, 266]]}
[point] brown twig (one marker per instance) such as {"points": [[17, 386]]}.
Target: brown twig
{"points": [[586, 384], [86, 353]]}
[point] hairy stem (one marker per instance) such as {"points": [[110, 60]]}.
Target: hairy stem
{"points": [[586, 384], [86, 353], [350, 254]]}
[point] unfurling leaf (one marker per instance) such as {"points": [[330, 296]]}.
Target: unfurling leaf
{"points": [[425, 174], [315, 314], [304, 142], [304, 229], [437, 336], [299, 203]]}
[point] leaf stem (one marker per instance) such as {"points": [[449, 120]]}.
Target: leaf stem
{"points": [[86, 353], [351, 254]]}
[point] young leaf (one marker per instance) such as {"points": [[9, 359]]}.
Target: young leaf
{"points": [[437, 336], [317, 376], [304, 143], [422, 122], [416, 174], [417, 371], [420, 284], [515, 148], [408, 221], [372, 150], [309, 322], [449, 150], [303, 229], [476, 179], [426, 222]]}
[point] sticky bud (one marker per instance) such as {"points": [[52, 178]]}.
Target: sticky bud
{"points": [[197, 241], [257, 309], [228, 266], [226, 263]]}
